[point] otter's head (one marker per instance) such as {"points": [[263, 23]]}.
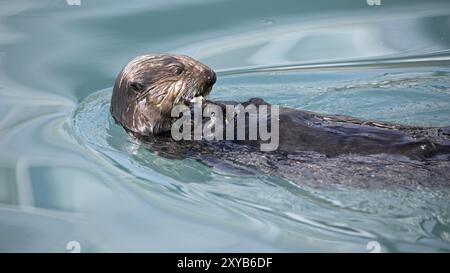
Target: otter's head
{"points": [[149, 86]]}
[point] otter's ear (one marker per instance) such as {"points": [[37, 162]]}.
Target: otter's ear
{"points": [[137, 87]]}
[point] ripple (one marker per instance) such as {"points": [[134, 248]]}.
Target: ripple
{"points": [[269, 207], [71, 174]]}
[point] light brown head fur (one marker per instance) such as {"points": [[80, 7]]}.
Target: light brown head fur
{"points": [[149, 86]]}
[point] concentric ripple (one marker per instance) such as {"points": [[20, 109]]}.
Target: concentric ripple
{"points": [[343, 218]]}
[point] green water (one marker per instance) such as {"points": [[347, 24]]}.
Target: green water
{"points": [[68, 173]]}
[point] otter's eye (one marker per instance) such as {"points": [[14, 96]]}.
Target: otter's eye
{"points": [[137, 87], [178, 71]]}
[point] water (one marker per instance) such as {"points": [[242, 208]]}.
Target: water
{"points": [[68, 173]]}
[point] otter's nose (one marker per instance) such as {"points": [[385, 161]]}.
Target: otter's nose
{"points": [[211, 78]]}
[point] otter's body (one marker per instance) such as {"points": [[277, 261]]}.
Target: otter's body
{"points": [[147, 89]]}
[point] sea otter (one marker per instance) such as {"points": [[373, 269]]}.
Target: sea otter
{"points": [[150, 86]]}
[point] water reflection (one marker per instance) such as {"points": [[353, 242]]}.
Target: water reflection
{"points": [[68, 173]]}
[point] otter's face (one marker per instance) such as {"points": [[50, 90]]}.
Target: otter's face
{"points": [[149, 86]]}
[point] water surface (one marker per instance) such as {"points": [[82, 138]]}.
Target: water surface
{"points": [[69, 173]]}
